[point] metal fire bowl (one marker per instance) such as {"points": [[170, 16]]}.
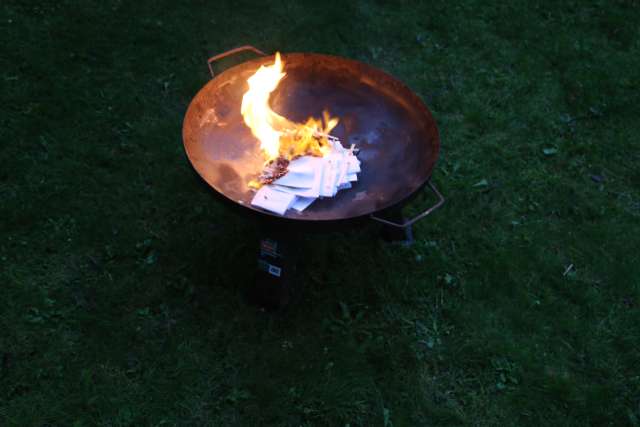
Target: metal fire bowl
{"points": [[395, 132]]}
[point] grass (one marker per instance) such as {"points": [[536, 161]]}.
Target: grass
{"points": [[120, 274]]}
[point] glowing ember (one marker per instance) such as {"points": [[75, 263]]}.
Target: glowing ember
{"points": [[280, 137]]}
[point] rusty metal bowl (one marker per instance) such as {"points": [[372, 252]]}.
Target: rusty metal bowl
{"points": [[393, 129]]}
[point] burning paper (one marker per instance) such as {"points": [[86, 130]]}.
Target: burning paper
{"points": [[309, 178], [304, 162]]}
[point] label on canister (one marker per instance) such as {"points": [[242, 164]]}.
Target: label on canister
{"points": [[274, 270], [269, 247]]}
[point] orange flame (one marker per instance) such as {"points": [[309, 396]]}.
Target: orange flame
{"points": [[279, 136]]}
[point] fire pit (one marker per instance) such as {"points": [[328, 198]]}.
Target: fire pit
{"points": [[394, 131]]}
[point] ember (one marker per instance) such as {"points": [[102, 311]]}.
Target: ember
{"points": [[273, 170]]}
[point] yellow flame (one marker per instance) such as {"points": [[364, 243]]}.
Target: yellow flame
{"points": [[279, 136], [255, 106]]}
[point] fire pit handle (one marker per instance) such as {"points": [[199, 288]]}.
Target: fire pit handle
{"points": [[232, 52], [418, 217]]}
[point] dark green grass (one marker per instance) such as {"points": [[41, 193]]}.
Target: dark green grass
{"points": [[121, 275]]}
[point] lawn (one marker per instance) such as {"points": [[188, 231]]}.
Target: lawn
{"points": [[121, 275]]}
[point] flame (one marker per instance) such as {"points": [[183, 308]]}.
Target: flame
{"points": [[278, 135]]}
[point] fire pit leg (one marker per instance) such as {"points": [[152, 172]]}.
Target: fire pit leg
{"points": [[393, 234], [274, 287]]}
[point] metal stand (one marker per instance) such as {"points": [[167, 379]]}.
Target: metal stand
{"points": [[276, 281], [393, 234], [392, 218]]}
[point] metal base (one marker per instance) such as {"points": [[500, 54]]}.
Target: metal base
{"points": [[277, 282], [393, 234], [279, 276], [278, 279]]}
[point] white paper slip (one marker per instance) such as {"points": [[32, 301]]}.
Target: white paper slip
{"points": [[337, 146], [354, 164], [305, 164], [297, 179], [352, 177], [344, 186], [344, 167], [299, 192], [271, 199], [302, 203], [329, 177]]}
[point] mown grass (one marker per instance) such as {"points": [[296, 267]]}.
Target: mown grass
{"points": [[120, 299]]}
